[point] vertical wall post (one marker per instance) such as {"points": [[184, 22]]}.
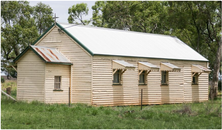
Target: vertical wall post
{"points": [[141, 98], [69, 96], [70, 85]]}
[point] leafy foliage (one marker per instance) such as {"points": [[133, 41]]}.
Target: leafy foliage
{"points": [[17, 30], [76, 12], [43, 17], [21, 26], [142, 16], [97, 19], [200, 22]]}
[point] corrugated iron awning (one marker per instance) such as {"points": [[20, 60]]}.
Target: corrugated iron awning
{"points": [[169, 67], [51, 55], [147, 66], [121, 64], [200, 69]]}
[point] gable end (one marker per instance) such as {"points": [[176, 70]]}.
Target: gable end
{"points": [[70, 35], [43, 34]]}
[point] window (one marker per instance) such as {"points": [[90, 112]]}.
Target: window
{"points": [[195, 79], [164, 77], [57, 83], [142, 78], [117, 77]]}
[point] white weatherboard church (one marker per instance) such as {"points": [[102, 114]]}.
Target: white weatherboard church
{"points": [[109, 67]]}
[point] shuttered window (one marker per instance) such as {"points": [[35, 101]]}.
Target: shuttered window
{"points": [[57, 83]]}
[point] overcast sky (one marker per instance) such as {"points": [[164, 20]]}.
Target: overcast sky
{"points": [[61, 8]]}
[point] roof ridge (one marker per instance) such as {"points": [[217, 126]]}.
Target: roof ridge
{"points": [[114, 29]]}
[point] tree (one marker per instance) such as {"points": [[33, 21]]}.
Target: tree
{"points": [[149, 16], [19, 28], [200, 22], [17, 31], [97, 19], [117, 14], [76, 12], [141, 16], [43, 17]]}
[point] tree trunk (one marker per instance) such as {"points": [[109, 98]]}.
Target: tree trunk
{"points": [[214, 85]]}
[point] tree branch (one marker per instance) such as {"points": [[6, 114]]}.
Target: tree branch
{"points": [[208, 30], [195, 24]]}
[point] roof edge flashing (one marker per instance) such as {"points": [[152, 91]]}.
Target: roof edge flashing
{"points": [[62, 63], [150, 57]]}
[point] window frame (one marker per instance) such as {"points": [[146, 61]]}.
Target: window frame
{"points": [[144, 73], [196, 76], [166, 78], [119, 77], [60, 83]]}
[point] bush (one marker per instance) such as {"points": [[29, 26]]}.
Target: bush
{"points": [[219, 85], [2, 80]]}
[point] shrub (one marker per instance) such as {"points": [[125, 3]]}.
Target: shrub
{"points": [[2, 80]]}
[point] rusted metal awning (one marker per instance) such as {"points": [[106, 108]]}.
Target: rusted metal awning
{"points": [[169, 67], [200, 69], [51, 55], [148, 66], [121, 64]]}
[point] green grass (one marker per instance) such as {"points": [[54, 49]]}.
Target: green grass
{"points": [[35, 115]]}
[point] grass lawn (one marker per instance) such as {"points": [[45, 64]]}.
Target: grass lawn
{"points": [[35, 115]]}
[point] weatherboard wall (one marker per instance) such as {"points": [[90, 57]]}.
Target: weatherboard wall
{"points": [[30, 78], [51, 95], [92, 78], [179, 89], [81, 68], [203, 87]]}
